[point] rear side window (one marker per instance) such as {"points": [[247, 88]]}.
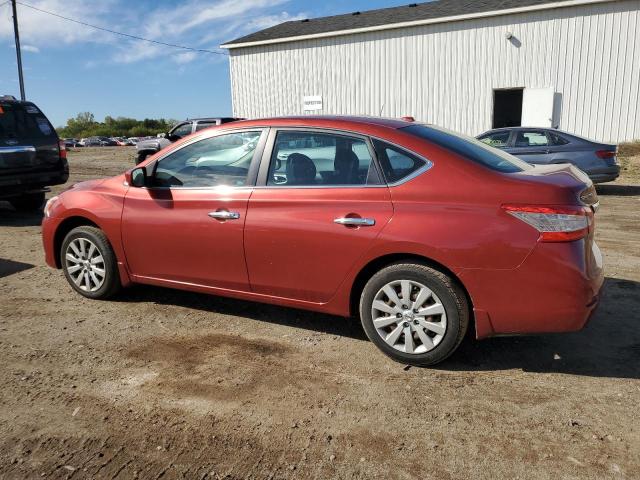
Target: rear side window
{"points": [[396, 164], [531, 139], [20, 121], [203, 125], [469, 148], [320, 159], [557, 139]]}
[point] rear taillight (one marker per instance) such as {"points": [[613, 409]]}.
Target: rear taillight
{"points": [[604, 154], [555, 223], [63, 149]]}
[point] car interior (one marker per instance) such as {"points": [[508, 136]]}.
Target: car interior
{"points": [[308, 159]]}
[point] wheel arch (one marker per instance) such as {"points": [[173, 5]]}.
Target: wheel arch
{"points": [[383, 261], [63, 229]]}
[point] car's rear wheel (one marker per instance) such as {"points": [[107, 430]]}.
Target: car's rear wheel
{"points": [[29, 202], [413, 313], [89, 263]]}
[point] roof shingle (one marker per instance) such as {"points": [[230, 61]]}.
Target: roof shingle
{"points": [[384, 16]]}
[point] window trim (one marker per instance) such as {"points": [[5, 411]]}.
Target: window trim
{"points": [[252, 174], [265, 164]]}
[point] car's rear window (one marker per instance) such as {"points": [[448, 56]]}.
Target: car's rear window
{"points": [[469, 148], [23, 121]]}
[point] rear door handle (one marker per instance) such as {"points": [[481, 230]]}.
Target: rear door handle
{"points": [[224, 215], [355, 221]]}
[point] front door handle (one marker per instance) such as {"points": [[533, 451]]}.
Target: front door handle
{"points": [[224, 215], [355, 221]]}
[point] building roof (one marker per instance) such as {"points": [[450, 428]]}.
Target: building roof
{"points": [[394, 17]]}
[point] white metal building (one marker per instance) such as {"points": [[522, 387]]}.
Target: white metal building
{"points": [[467, 66]]}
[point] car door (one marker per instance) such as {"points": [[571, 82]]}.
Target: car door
{"points": [[531, 145], [319, 204], [186, 225]]}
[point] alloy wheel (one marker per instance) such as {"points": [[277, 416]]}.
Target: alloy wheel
{"points": [[85, 264], [409, 317]]}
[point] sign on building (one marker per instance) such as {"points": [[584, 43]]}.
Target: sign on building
{"points": [[312, 103]]}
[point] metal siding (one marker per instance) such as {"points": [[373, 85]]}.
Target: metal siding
{"points": [[445, 73]]}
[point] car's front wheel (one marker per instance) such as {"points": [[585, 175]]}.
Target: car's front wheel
{"points": [[413, 313], [89, 263]]}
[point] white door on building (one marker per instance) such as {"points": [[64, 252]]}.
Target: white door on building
{"points": [[537, 107]]}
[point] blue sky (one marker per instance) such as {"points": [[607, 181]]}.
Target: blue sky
{"points": [[70, 68]]}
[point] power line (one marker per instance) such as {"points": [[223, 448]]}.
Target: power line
{"points": [[134, 37]]}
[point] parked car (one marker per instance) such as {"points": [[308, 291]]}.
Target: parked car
{"points": [[149, 146], [92, 142], [543, 146], [71, 142], [108, 142], [421, 232], [32, 157]]}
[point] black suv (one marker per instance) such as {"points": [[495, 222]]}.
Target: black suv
{"points": [[32, 157]]}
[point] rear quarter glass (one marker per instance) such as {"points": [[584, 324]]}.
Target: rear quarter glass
{"points": [[22, 122], [469, 148]]}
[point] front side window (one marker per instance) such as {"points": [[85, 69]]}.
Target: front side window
{"points": [[320, 159], [397, 164], [531, 139], [221, 160], [497, 140]]}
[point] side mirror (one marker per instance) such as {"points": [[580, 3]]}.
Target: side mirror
{"points": [[136, 177]]}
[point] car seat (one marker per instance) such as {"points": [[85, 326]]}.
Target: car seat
{"points": [[300, 170]]}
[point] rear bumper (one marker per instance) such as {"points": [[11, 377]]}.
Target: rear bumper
{"points": [[17, 184], [556, 289], [602, 175]]}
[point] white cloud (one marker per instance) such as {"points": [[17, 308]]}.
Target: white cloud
{"points": [[40, 29], [186, 57], [197, 23], [29, 48]]}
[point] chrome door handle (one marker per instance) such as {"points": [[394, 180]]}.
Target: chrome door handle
{"points": [[355, 221], [224, 215]]}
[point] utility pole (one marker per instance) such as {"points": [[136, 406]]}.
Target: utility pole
{"points": [[18, 53]]}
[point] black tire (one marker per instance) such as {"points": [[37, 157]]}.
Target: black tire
{"points": [[29, 202], [450, 294], [142, 156], [111, 283]]}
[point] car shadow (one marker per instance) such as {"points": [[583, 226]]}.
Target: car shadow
{"points": [[619, 190], [9, 267], [11, 218], [608, 347], [290, 317]]}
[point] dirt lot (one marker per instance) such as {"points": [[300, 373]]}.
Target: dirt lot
{"points": [[167, 384]]}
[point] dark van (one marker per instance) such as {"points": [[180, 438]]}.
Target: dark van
{"points": [[32, 157]]}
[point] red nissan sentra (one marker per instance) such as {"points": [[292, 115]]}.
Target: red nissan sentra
{"points": [[421, 232]]}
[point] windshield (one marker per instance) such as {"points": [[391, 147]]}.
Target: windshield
{"points": [[469, 148]]}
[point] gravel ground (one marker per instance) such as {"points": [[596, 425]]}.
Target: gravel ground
{"points": [[168, 384]]}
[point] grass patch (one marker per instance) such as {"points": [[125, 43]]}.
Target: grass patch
{"points": [[629, 149]]}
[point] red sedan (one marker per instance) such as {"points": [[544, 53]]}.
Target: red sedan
{"points": [[421, 232]]}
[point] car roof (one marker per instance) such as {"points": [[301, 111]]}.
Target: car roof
{"points": [[326, 121]]}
